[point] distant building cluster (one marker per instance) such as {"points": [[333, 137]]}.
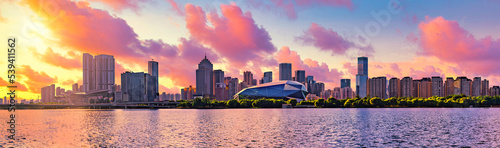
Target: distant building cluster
{"points": [[99, 84], [423, 88], [213, 84]]}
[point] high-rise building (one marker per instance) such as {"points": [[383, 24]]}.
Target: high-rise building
{"points": [[52, 93], [476, 86], [285, 71], [300, 76], [462, 86], [377, 87], [151, 89], [248, 78], [204, 78], [346, 92], [133, 87], [153, 71], [318, 88], [345, 83], [336, 93], [232, 87], [449, 86], [98, 72], [425, 88], [74, 87], [268, 77], [362, 77], [104, 72], [485, 85], [177, 96], [310, 84], [188, 93], [58, 91], [495, 91], [88, 72], [437, 86], [406, 87], [394, 87], [416, 84], [220, 86]]}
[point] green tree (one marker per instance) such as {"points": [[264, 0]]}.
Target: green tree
{"points": [[376, 102], [293, 102]]}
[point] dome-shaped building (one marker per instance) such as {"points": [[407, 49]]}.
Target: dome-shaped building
{"points": [[278, 90]]}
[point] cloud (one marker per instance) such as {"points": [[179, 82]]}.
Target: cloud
{"points": [[119, 5], [451, 43], [320, 71], [19, 86], [175, 7], [234, 34], [56, 59], [82, 29], [290, 7], [324, 39], [35, 80], [428, 71]]}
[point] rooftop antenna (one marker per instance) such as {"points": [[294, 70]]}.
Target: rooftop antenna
{"points": [[205, 55]]}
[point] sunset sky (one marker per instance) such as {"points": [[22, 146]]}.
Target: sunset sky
{"points": [[323, 37]]}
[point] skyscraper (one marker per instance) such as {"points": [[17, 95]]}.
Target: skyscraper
{"points": [[476, 87], [394, 87], [310, 84], [248, 78], [98, 72], [485, 85], [449, 86], [425, 88], [462, 86], [362, 77], [346, 92], [495, 91], [437, 86], [134, 87], [285, 71], [268, 77], [204, 78], [74, 88], [153, 71], [345, 83], [232, 86], [220, 86], [377, 87], [300, 76], [88, 78]]}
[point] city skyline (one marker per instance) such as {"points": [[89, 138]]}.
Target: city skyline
{"points": [[56, 57]]}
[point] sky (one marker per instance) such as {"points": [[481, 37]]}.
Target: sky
{"points": [[446, 38]]}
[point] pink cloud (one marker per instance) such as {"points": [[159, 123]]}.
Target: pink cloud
{"points": [[290, 7], [320, 71], [449, 42], [329, 40], [234, 34], [324, 39], [119, 5], [176, 8]]}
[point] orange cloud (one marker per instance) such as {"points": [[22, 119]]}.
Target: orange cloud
{"points": [[56, 59], [35, 80]]}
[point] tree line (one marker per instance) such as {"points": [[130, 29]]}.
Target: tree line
{"points": [[357, 102]]}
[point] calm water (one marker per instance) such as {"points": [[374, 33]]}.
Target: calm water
{"points": [[404, 127]]}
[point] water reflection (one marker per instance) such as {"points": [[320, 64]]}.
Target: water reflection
{"points": [[399, 127]]}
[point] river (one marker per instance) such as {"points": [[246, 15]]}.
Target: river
{"points": [[350, 127]]}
